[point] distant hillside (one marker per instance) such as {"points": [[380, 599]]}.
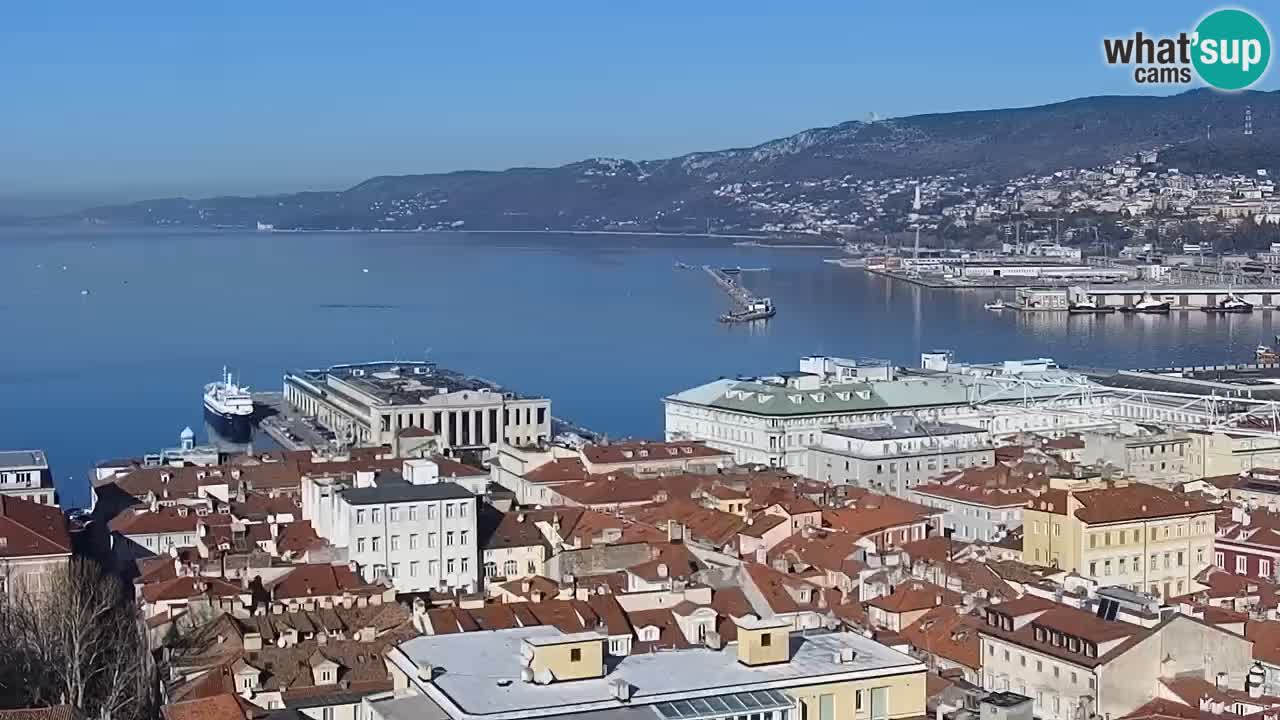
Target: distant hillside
{"points": [[679, 193]]}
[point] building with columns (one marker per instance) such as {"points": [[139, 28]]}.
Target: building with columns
{"points": [[370, 404]]}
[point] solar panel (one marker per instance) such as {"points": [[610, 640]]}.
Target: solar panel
{"points": [[718, 706]]}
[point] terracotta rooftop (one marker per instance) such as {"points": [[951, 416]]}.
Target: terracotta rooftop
{"points": [[224, 706], [643, 451], [1137, 501], [28, 528], [915, 595], [1265, 635], [871, 512], [760, 524], [1109, 638], [704, 524], [513, 529], [165, 520], [825, 549], [558, 471], [947, 634]]}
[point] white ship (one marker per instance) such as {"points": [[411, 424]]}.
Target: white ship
{"points": [[228, 408]]}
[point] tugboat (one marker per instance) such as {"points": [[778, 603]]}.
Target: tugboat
{"points": [[1147, 304], [761, 309], [998, 305], [1088, 306], [1232, 304], [228, 408]]}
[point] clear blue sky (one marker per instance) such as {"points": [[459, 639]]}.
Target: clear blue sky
{"points": [[140, 98]]}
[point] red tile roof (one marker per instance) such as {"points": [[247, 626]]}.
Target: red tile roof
{"points": [[142, 521], [187, 587], [915, 595], [870, 513], [320, 580], [644, 451], [823, 549], [224, 706], [761, 523], [558, 471], [705, 524], [947, 634], [1136, 501], [1265, 635], [28, 529]]}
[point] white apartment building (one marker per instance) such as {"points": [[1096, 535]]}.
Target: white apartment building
{"points": [[896, 456], [774, 420], [371, 403], [25, 474], [413, 527]]}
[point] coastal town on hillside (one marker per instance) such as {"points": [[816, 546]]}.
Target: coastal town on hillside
{"points": [[840, 539]]}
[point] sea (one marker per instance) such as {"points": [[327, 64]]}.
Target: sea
{"points": [[108, 335]]}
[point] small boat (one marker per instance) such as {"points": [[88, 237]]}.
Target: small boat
{"points": [[997, 305], [1088, 306], [761, 309], [1148, 305], [1266, 355], [1232, 304]]}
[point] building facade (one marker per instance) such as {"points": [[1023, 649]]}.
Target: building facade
{"points": [[371, 404], [894, 457], [774, 420], [1139, 536], [25, 474], [413, 528], [34, 545]]}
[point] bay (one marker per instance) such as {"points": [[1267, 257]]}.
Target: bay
{"points": [[604, 325]]}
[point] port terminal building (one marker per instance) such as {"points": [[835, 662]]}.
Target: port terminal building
{"points": [[374, 403]]}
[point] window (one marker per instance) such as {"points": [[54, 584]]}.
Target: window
{"points": [[395, 542], [766, 640], [431, 540], [395, 570], [413, 513], [465, 564], [375, 516], [413, 568], [359, 517], [575, 654], [1093, 569], [826, 707], [448, 510], [510, 568], [1180, 559], [326, 713], [393, 515], [1242, 564], [857, 700], [359, 544], [433, 567], [462, 537], [1264, 568], [373, 542], [413, 541], [448, 539], [462, 509], [1219, 559], [448, 566], [431, 512]]}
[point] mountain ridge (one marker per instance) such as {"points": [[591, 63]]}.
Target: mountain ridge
{"points": [[680, 192]]}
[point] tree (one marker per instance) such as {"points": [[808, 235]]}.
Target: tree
{"points": [[80, 643]]}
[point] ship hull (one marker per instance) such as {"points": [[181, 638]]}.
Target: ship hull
{"points": [[232, 428]]}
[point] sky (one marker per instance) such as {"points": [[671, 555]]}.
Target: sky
{"points": [[106, 101]]}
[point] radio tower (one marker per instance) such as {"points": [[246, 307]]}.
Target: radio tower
{"points": [[1248, 120]]}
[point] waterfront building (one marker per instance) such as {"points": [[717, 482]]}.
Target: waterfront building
{"points": [[774, 420], [370, 404], [34, 545], [896, 456], [1157, 459], [416, 527], [1139, 536], [1075, 664], [542, 672], [25, 474]]}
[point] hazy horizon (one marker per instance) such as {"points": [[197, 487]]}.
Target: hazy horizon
{"points": [[109, 104]]}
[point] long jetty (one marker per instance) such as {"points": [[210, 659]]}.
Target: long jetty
{"points": [[740, 295]]}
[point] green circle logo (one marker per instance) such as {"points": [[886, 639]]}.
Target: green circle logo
{"points": [[1232, 49]]}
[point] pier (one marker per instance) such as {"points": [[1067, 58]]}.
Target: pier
{"points": [[740, 295]]}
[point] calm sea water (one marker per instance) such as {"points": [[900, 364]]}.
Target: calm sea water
{"points": [[604, 325]]}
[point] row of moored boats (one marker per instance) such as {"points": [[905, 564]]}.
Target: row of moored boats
{"points": [[1147, 305]]}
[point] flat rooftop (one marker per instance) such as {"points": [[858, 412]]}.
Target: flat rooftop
{"points": [[478, 673], [402, 383], [23, 459], [889, 431]]}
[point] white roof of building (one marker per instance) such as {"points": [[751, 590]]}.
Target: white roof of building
{"points": [[479, 673]]}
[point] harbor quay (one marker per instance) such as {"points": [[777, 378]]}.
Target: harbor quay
{"points": [[1130, 294]]}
